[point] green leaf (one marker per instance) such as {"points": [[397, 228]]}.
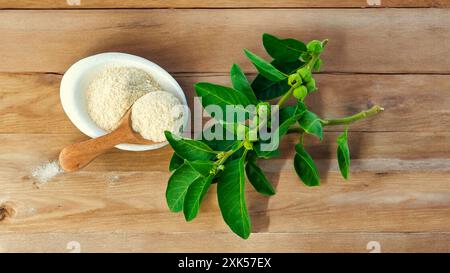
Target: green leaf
{"points": [[285, 50], [194, 196], [287, 67], [178, 185], [175, 162], [198, 188], [231, 197], [219, 144], [257, 178], [251, 156], [240, 83], [266, 89], [265, 68], [290, 115], [203, 167], [225, 144], [287, 117], [305, 167], [343, 154], [213, 94], [311, 124], [265, 154], [306, 56], [240, 152], [189, 149]]}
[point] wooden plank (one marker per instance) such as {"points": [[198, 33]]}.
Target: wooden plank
{"points": [[385, 151], [219, 242], [62, 4], [412, 102], [186, 40], [387, 201]]}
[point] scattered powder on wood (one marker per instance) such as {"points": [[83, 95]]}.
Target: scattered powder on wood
{"points": [[112, 178], [155, 113], [45, 173], [112, 92]]}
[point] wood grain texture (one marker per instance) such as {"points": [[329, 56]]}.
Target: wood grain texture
{"points": [[389, 190], [224, 242], [398, 193], [412, 102], [124, 191], [405, 201], [401, 152], [62, 4], [186, 40]]}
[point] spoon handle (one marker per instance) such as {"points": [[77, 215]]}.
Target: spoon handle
{"points": [[78, 155]]}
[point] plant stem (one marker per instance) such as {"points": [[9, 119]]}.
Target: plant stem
{"points": [[313, 60], [346, 120], [343, 121], [229, 153], [293, 130], [285, 97], [300, 139]]}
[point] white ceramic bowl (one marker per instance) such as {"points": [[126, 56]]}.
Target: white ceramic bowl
{"points": [[77, 78]]}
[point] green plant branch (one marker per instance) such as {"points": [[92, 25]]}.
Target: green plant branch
{"points": [[313, 60], [346, 120], [300, 138], [309, 65], [285, 97], [229, 153], [343, 121], [300, 83]]}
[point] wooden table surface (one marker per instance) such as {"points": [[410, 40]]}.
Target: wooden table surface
{"points": [[393, 53]]}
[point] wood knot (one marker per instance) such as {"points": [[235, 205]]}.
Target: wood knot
{"points": [[6, 211]]}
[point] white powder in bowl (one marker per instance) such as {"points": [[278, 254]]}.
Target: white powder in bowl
{"points": [[112, 92], [155, 113]]}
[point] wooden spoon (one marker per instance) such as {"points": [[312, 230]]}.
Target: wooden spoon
{"points": [[78, 155]]}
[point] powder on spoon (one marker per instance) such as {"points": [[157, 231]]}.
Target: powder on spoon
{"points": [[155, 113], [112, 92]]}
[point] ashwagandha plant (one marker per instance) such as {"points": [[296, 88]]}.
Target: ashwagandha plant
{"points": [[196, 164]]}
